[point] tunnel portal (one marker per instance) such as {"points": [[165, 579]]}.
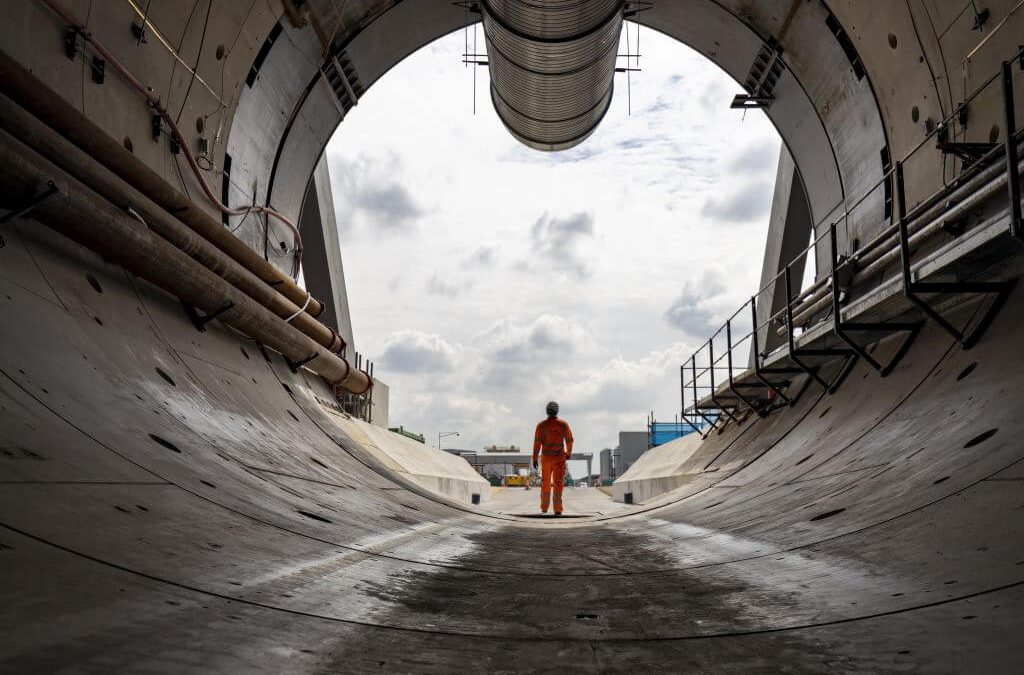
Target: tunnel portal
{"points": [[192, 479]]}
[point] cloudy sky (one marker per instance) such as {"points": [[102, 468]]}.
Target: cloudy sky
{"points": [[486, 278]]}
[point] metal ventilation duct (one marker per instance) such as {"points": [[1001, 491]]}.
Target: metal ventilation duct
{"points": [[552, 64]]}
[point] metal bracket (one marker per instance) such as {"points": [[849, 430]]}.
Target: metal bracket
{"points": [[682, 398], [693, 372], [200, 321], [139, 32], [1012, 171], [714, 399], [634, 7], [760, 372], [968, 152], [748, 102], [795, 355], [98, 67], [733, 387], [295, 365], [911, 288], [840, 327], [24, 210], [764, 74], [71, 43]]}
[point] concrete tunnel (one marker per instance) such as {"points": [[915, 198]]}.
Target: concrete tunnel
{"points": [[188, 485]]}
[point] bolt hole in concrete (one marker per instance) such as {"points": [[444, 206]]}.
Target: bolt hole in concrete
{"points": [[941, 480], [165, 443], [967, 371], [98, 320], [208, 484], [827, 514], [167, 378], [94, 282], [293, 416], [314, 516], [121, 509], [141, 507], [892, 41], [915, 114], [981, 438]]}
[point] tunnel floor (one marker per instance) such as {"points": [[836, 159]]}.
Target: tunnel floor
{"points": [[180, 500], [579, 502]]}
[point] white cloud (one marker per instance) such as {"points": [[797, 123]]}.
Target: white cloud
{"points": [[748, 202], [557, 241], [412, 351], [370, 190], [483, 256], [693, 311], [446, 286]]}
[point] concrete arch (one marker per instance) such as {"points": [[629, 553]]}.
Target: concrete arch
{"points": [[837, 153]]}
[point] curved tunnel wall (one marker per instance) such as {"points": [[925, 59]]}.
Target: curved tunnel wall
{"points": [[267, 107], [174, 499], [177, 499]]}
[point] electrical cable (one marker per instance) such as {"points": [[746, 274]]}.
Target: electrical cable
{"points": [[199, 55], [159, 109], [935, 84]]}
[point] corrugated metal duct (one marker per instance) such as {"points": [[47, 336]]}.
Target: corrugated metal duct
{"points": [[552, 65]]}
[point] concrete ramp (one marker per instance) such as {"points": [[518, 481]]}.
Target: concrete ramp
{"points": [[434, 469], [659, 470]]}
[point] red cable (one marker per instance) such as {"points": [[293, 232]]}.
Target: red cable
{"points": [[155, 104]]}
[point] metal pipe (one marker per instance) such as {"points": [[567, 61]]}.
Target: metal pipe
{"points": [[930, 207], [60, 151], [87, 218], [30, 93], [158, 108], [552, 66]]}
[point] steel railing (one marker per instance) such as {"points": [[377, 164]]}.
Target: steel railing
{"points": [[741, 345]]}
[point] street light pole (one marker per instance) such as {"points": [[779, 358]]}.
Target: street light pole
{"points": [[443, 434]]}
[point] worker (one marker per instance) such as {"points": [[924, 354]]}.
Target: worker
{"points": [[553, 441]]}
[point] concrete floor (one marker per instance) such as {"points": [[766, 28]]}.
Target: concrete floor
{"points": [[181, 501], [576, 502]]}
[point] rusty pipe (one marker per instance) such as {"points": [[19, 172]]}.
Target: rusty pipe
{"points": [[30, 93], [80, 214], [60, 151]]}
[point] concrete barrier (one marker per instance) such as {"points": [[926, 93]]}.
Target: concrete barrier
{"points": [[429, 467], [659, 470]]}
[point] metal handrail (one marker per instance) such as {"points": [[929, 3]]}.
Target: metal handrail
{"points": [[976, 171]]}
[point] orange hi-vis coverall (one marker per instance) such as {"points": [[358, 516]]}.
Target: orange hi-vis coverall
{"points": [[553, 440]]}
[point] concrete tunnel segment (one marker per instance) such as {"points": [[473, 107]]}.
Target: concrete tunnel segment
{"points": [[175, 499]]}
